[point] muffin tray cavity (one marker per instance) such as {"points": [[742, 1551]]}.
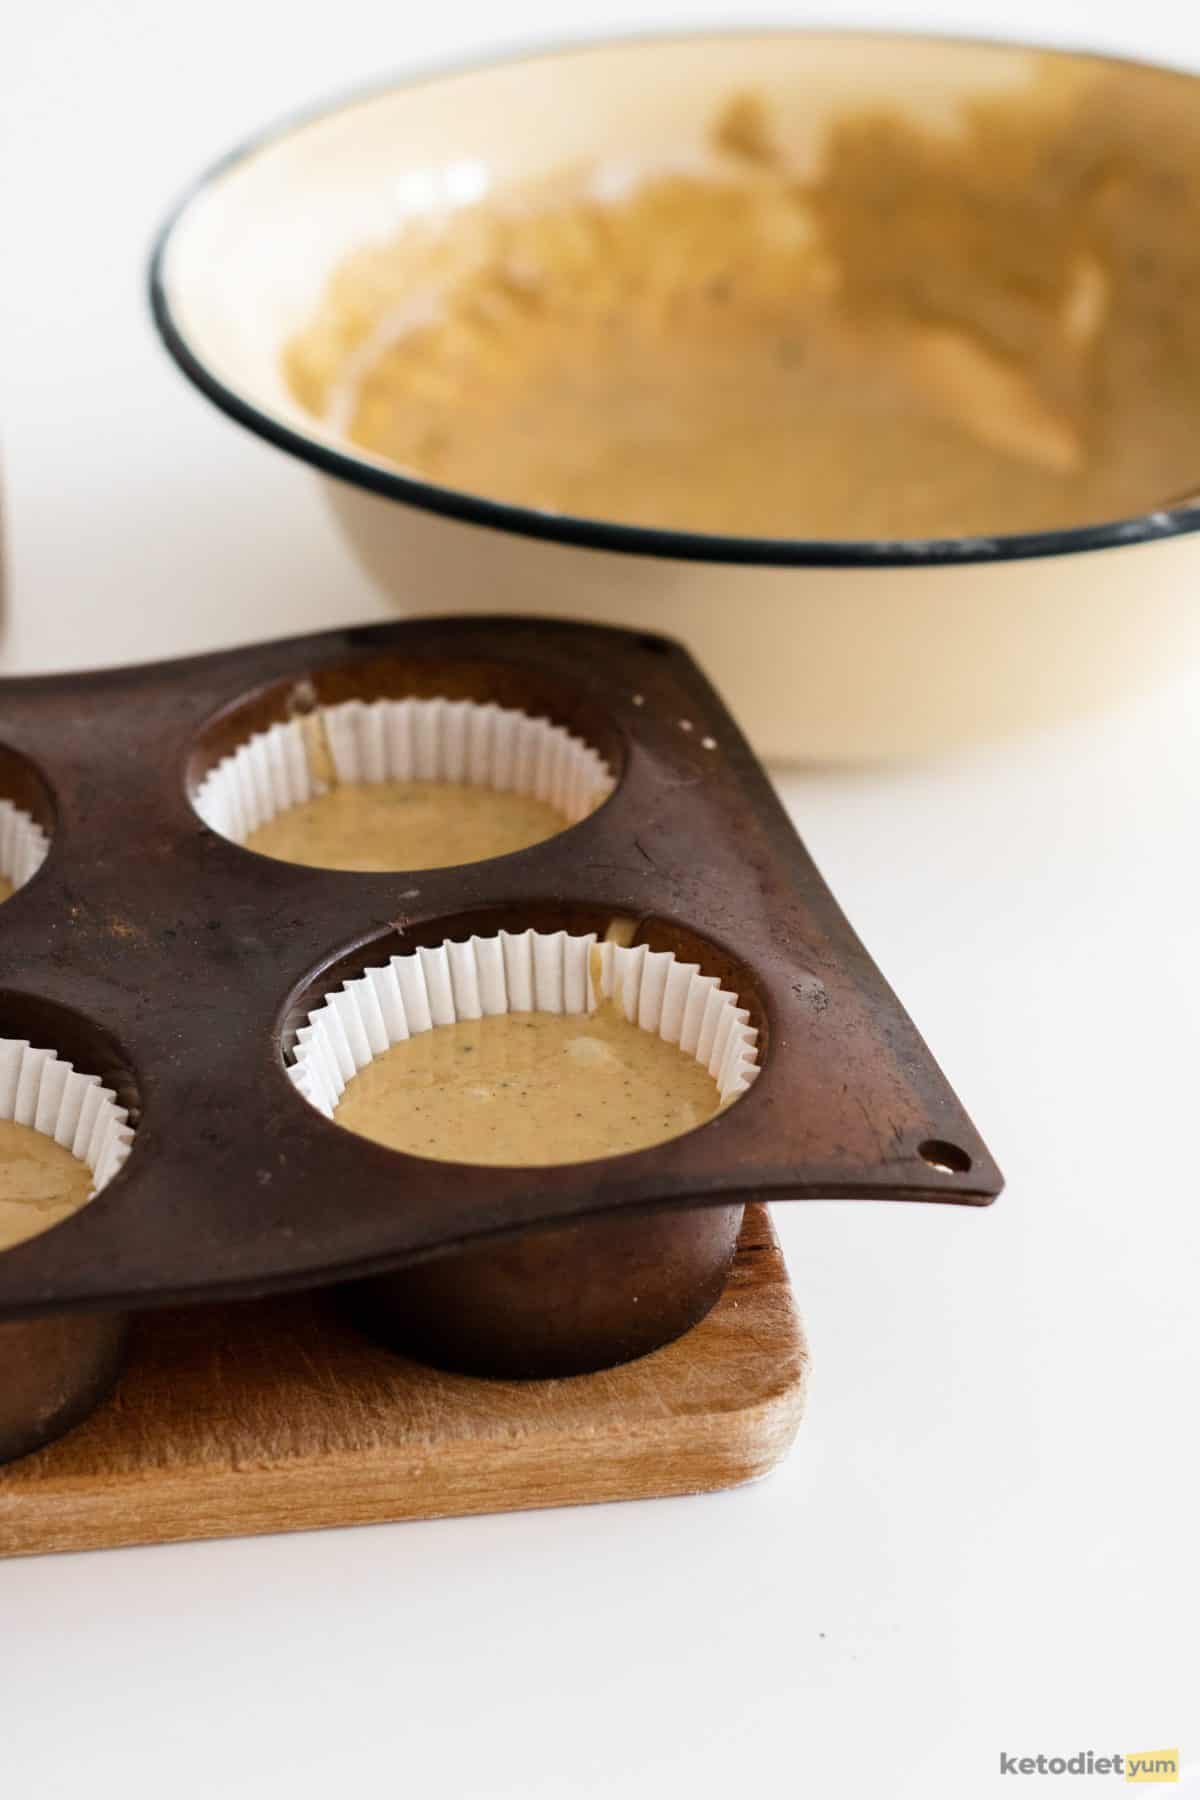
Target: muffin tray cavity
{"points": [[156, 954]]}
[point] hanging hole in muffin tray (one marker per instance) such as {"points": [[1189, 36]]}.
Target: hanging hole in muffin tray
{"points": [[197, 957]]}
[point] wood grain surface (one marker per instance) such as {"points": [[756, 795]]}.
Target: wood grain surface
{"points": [[276, 1415]]}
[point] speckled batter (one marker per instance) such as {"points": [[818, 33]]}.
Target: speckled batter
{"points": [[40, 1183], [937, 333], [405, 825], [529, 1088]]}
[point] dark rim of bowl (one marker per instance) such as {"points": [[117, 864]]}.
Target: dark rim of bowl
{"points": [[598, 534]]}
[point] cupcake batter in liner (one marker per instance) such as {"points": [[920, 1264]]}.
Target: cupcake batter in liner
{"points": [[403, 784]]}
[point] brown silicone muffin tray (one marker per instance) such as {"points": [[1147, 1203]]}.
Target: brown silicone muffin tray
{"points": [[177, 965]]}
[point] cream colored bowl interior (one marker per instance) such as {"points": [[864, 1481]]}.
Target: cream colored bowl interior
{"points": [[247, 262], [818, 661]]}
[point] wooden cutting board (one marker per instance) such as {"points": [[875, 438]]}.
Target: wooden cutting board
{"points": [[276, 1415]]}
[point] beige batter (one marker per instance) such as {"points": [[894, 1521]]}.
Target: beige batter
{"points": [[940, 333], [529, 1088], [40, 1183], [6, 887], [405, 825]]}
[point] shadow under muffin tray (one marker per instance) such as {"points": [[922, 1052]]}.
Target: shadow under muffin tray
{"points": [[198, 960]]}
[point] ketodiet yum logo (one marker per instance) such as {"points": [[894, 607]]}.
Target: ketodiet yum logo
{"points": [[1140, 1765]]}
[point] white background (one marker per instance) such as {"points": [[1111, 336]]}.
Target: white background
{"points": [[984, 1538]]}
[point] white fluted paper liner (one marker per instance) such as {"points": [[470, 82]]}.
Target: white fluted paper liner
{"points": [[482, 745], [527, 971], [37, 1088], [23, 844]]}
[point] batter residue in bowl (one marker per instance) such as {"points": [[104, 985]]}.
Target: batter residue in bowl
{"points": [[529, 1088], [939, 333]]}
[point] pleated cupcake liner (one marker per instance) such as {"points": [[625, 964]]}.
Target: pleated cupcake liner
{"points": [[521, 972], [38, 1089], [24, 846], [466, 741]]}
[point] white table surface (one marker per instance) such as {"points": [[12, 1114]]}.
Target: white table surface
{"points": [[984, 1539]]}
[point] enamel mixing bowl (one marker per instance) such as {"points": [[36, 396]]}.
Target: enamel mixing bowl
{"points": [[858, 648]]}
